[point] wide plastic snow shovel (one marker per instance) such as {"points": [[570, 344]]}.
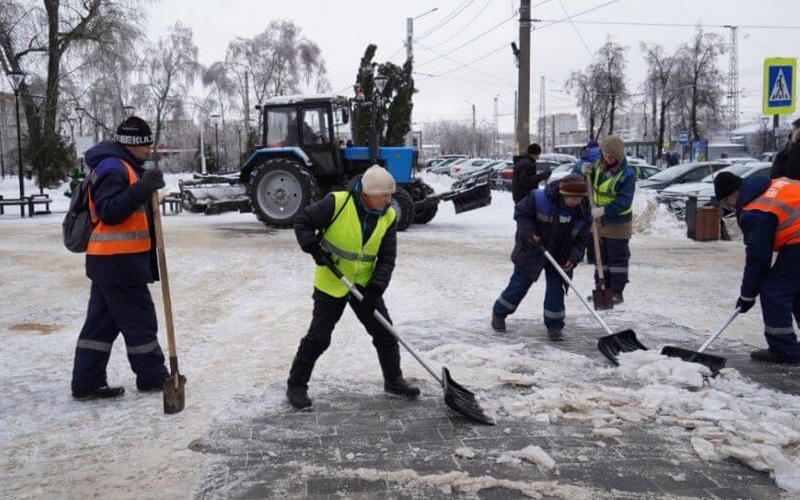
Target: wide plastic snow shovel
{"points": [[613, 343], [456, 396], [174, 396], [714, 363], [602, 297]]}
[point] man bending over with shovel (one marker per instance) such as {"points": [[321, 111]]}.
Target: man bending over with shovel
{"points": [[355, 229], [556, 219], [768, 213]]}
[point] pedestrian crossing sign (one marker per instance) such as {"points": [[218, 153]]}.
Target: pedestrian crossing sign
{"points": [[779, 85]]}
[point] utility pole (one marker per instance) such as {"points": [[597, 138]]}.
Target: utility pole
{"points": [[733, 81], [474, 138], [524, 76], [410, 32], [542, 125], [495, 134]]}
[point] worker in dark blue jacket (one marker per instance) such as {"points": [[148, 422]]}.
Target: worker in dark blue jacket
{"points": [[120, 262], [589, 154], [769, 215], [556, 219]]}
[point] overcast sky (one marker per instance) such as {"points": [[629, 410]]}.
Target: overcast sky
{"points": [[462, 50]]}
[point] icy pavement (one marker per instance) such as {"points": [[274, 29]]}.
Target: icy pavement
{"points": [[569, 425]]}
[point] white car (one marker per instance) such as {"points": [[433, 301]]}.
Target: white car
{"points": [[676, 196], [468, 165]]}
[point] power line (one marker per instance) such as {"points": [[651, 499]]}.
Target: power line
{"points": [[552, 22], [637, 23], [467, 65], [467, 42], [572, 23], [465, 26], [458, 10]]}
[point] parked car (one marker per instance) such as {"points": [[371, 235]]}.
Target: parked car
{"points": [[685, 172], [467, 165], [676, 196], [734, 161], [437, 160], [647, 171], [558, 157], [505, 176], [443, 166]]}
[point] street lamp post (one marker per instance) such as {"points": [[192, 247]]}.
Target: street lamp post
{"points": [[38, 100], [764, 122], [128, 111], [239, 132], [80, 112], [215, 120], [17, 78], [377, 100]]}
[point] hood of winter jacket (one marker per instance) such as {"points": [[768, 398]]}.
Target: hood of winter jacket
{"points": [[109, 149]]}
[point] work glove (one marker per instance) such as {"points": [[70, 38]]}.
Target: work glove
{"points": [[568, 266], [744, 304], [598, 212], [321, 256], [586, 168], [152, 180], [371, 295]]}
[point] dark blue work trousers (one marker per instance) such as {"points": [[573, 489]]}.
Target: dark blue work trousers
{"points": [[780, 300], [518, 287], [615, 254], [115, 309]]}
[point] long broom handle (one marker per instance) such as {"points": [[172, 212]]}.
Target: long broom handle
{"points": [[598, 261], [164, 278], [569, 282], [720, 330], [383, 321]]}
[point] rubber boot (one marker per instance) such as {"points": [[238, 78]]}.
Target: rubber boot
{"points": [[297, 390], [393, 381]]}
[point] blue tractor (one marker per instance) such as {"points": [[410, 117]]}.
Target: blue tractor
{"points": [[307, 151]]}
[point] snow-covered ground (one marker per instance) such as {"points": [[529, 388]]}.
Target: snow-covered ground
{"points": [[241, 299]]}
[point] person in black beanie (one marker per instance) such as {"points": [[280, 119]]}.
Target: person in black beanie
{"points": [[120, 262], [764, 210], [525, 177]]}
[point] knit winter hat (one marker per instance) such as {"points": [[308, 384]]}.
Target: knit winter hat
{"points": [[376, 181], [592, 144], [725, 184], [134, 132], [534, 149], [573, 185], [613, 145]]}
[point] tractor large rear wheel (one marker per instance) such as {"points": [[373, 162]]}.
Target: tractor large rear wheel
{"points": [[426, 214], [404, 206], [279, 189]]}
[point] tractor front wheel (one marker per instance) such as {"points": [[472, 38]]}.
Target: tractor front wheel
{"points": [[279, 189], [404, 207]]}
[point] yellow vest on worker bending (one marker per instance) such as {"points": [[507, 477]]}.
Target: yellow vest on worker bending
{"points": [[606, 192], [354, 258]]}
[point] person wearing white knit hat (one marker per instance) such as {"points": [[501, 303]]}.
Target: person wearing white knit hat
{"points": [[356, 231]]}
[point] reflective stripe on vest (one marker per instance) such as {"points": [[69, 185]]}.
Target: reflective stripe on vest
{"points": [[782, 199], [130, 236], [355, 259], [606, 192]]}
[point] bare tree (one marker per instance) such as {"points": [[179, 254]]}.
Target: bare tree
{"points": [[583, 84], [170, 72], [664, 85], [700, 94], [609, 72], [35, 37]]}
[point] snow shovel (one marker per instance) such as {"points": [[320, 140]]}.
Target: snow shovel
{"points": [[174, 396], [603, 297], [613, 343], [714, 363], [456, 396]]}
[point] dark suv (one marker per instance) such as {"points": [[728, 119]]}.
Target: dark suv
{"points": [[685, 172]]}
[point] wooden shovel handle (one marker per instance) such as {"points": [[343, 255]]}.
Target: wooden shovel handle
{"points": [[598, 261], [164, 277]]}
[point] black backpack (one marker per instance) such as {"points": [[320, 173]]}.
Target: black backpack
{"points": [[77, 226]]}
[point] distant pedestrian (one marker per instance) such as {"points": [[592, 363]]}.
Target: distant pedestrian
{"points": [[557, 219], [613, 185], [356, 229], [767, 211], [526, 178], [120, 262], [787, 161], [589, 154]]}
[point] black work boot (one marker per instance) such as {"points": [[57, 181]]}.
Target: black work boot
{"points": [[498, 323], [400, 387], [555, 335], [298, 397], [618, 297], [768, 356], [104, 392]]}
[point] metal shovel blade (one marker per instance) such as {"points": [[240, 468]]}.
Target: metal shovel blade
{"points": [[462, 400], [714, 363], [603, 299], [624, 341], [174, 395]]}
